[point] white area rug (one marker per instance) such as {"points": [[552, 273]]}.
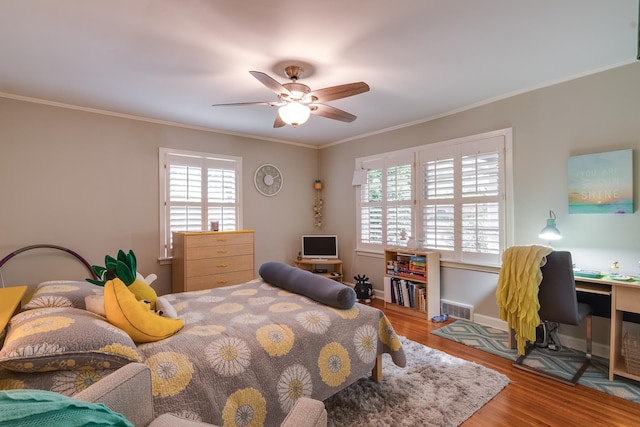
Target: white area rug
{"points": [[434, 389]]}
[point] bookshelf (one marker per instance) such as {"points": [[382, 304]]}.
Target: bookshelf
{"points": [[412, 282]]}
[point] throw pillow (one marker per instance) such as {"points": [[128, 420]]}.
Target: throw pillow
{"points": [[135, 318], [54, 339], [314, 286], [62, 293]]}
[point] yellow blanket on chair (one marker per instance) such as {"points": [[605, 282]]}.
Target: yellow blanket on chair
{"points": [[517, 293]]}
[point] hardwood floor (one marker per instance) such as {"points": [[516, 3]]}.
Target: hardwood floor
{"points": [[529, 400]]}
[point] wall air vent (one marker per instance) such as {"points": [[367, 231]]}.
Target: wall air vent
{"points": [[456, 309]]}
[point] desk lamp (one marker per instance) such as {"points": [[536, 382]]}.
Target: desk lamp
{"points": [[550, 232]]}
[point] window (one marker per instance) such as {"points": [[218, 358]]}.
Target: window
{"points": [[461, 199], [386, 201], [195, 189], [461, 192]]}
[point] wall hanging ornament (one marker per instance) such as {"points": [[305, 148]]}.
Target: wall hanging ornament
{"points": [[318, 204]]}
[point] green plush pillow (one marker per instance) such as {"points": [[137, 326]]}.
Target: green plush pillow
{"points": [[27, 408], [58, 339], [62, 293]]}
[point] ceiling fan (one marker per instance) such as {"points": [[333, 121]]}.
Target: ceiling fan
{"points": [[297, 101]]}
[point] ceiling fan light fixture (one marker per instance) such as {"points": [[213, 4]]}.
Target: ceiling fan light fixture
{"points": [[297, 94], [296, 101], [294, 113]]}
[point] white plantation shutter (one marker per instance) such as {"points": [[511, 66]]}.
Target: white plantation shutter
{"points": [[385, 205], [222, 195], [481, 207], [371, 209], [198, 188], [399, 196], [462, 199], [185, 196], [462, 190], [438, 217]]}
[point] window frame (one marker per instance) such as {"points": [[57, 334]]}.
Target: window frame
{"points": [[165, 250], [504, 138]]}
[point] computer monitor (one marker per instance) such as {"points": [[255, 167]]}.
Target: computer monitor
{"points": [[320, 246]]}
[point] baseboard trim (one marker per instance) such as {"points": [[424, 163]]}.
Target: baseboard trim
{"points": [[492, 322], [600, 350]]}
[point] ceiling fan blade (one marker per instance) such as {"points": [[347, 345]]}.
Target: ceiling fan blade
{"points": [[239, 104], [340, 91], [278, 123], [270, 83], [331, 113]]}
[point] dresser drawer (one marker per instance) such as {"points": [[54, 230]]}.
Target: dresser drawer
{"points": [[627, 299], [205, 267], [219, 280], [215, 239], [205, 252]]}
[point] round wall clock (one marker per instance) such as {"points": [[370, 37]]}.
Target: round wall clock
{"points": [[268, 180]]}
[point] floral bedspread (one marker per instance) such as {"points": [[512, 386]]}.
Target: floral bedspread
{"points": [[248, 351]]}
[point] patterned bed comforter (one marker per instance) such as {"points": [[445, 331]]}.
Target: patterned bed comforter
{"points": [[248, 351]]}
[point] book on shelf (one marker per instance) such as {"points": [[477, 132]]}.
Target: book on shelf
{"points": [[422, 298], [397, 297], [411, 275], [407, 293], [419, 260], [418, 264], [394, 291]]}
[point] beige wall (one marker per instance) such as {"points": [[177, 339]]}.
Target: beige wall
{"points": [[596, 113], [90, 182]]}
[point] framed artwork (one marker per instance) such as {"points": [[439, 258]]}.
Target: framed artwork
{"points": [[601, 183]]}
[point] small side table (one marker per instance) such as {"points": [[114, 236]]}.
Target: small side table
{"points": [[333, 272], [10, 301]]}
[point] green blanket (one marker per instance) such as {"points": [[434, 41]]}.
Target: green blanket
{"points": [[32, 408]]}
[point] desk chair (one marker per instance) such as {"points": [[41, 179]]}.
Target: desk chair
{"points": [[559, 304]]}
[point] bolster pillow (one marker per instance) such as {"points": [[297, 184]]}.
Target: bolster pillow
{"points": [[314, 286]]}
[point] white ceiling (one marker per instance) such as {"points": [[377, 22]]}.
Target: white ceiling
{"points": [[169, 60]]}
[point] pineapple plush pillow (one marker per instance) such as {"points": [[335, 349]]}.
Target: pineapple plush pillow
{"points": [[130, 303], [124, 267], [135, 317]]}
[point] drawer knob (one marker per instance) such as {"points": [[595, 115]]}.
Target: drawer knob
{"points": [[222, 282], [223, 265], [222, 251], [221, 239]]}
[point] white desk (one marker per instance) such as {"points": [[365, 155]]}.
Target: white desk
{"points": [[625, 296]]}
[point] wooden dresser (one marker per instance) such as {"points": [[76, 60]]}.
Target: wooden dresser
{"points": [[212, 259]]}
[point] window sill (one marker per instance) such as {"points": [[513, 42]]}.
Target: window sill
{"points": [[370, 253], [443, 263], [165, 261], [471, 267]]}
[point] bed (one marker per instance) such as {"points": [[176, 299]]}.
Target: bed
{"points": [[244, 356]]}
